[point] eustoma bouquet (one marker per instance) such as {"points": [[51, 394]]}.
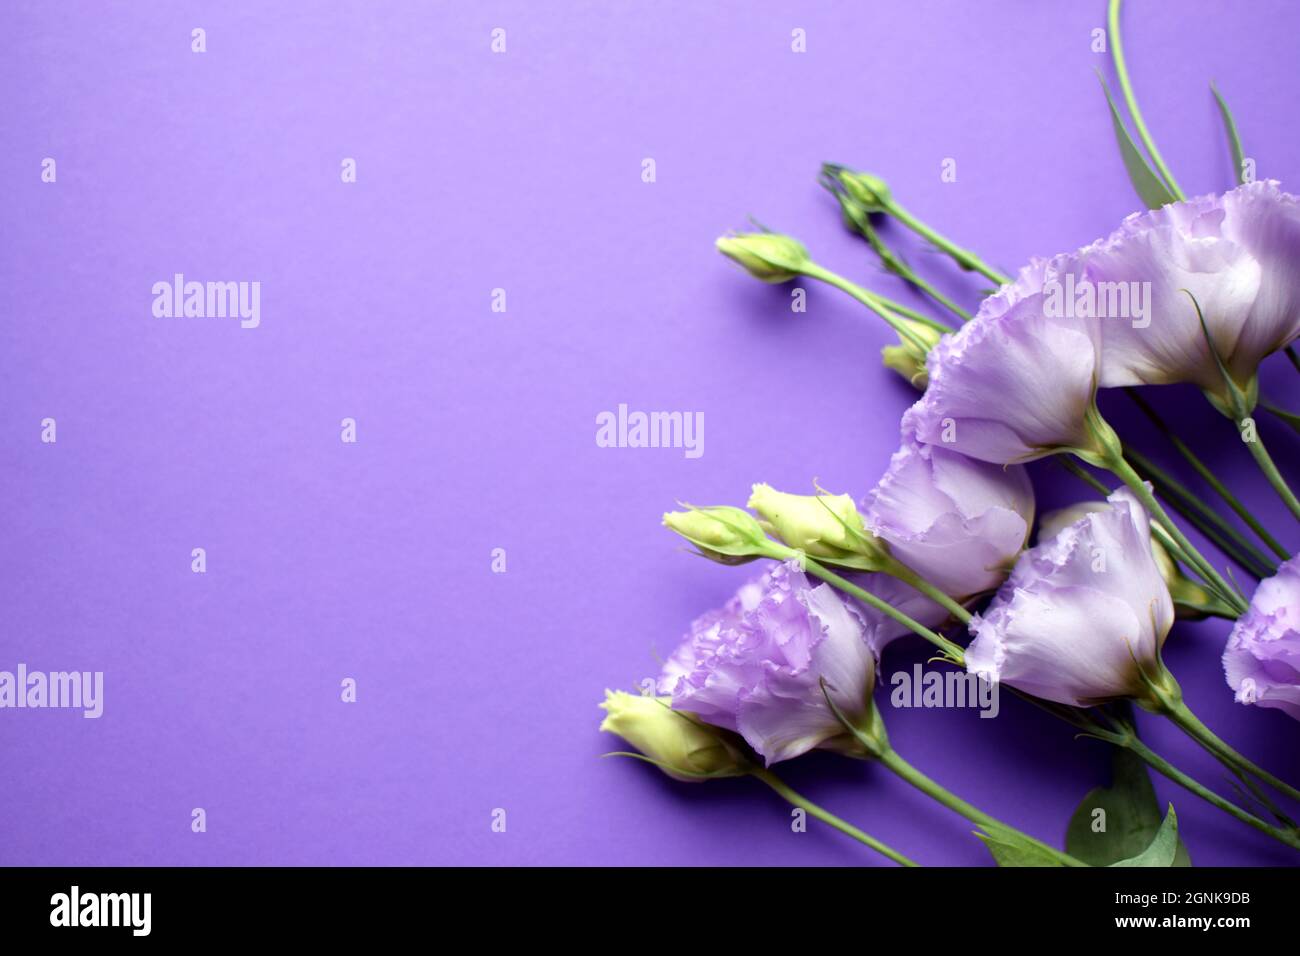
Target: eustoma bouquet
{"points": [[1074, 618]]}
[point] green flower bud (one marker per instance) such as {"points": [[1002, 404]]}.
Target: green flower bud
{"points": [[870, 192], [907, 358], [821, 526], [684, 748], [725, 534], [768, 256]]}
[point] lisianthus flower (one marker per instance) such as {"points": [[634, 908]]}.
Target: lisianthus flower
{"points": [[1235, 253], [755, 665], [1262, 658], [1013, 383], [1083, 616], [1190, 598], [960, 523]]}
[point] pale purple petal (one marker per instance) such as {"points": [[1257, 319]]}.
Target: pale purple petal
{"points": [[1262, 659], [958, 522], [756, 665], [1011, 385], [1236, 253], [1083, 615]]}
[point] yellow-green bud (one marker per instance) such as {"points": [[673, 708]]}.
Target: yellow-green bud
{"points": [[684, 748], [725, 534], [815, 524], [769, 256], [871, 192], [907, 358]]}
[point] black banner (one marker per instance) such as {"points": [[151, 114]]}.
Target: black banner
{"points": [[334, 905]]}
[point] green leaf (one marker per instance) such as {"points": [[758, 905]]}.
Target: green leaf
{"points": [[1121, 821], [1150, 189], [1010, 849], [1163, 850], [1234, 141]]}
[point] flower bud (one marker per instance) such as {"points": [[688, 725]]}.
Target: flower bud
{"points": [[870, 192], [907, 358], [725, 534], [768, 256], [816, 524], [682, 746]]}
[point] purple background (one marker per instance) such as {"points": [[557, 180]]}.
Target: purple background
{"points": [[476, 429]]}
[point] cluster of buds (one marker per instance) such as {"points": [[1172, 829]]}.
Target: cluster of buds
{"points": [[824, 527]]}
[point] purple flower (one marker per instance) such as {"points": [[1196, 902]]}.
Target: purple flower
{"points": [[1017, 382], [1012, 384], [1236, 253], [1262, 658], [755, 665], [958, 522], [1083, 615]]}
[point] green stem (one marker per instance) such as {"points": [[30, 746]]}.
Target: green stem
{"points": [[891, 759], [1116, 463], [963, 257], [1291, 354], [1220, 609], [1071, 715], [895, 263], [1281, 414], [1121, 70], [825, 816], [1210, 478], [872, 302], [953, 651], [1165, 697], [911, 313], [1165, 768], [1213, 525], [897, 569], [1191, 725], [1266, 465]]}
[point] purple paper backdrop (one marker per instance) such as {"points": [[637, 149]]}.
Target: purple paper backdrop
{"points": [[519, 171]]}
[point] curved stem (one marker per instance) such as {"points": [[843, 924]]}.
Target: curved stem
{"points": [[1210, 523], [953, 651], [1210, 478], [1190, 724], [825, 816], [1126, 87], [1266, 465], [893, 262], [891, 759], [1165, 768], [911, 313], [1281, 414], [1071, 715], [872, 302], [963, 257], [895, 568]]}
